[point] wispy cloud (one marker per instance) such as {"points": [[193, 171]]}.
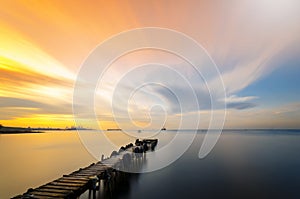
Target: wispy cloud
{"points": [[42, 50], [236, 99], [288, 109], [240, 103]]}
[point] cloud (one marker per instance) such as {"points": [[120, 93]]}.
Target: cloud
{"points": [[17, 102], [240, 103], [283, 116], [243, 43], [22, 87], [236, 99], [241, 106], [250, 41], [17, 48], [17, 108], [15, 72], [288, 109]]}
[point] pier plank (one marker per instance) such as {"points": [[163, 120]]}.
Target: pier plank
{"points": [[48, 194], [55, 190], [73, 180], [68, 184], [57, 187], [78, 182]]}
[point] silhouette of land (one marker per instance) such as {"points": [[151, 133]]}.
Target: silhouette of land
{"points": [[15, 130], [12, 130]]}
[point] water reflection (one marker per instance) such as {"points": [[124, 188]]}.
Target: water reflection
{"points": [[243, 164], [29, 160]]}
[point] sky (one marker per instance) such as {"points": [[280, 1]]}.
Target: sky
{"points": [[254, 44]]}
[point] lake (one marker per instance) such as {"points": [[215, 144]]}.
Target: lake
{"points": [[243, 164]]}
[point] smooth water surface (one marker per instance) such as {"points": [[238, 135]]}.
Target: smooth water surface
{"points": [[243, 164]]}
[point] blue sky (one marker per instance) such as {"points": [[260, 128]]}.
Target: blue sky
{"points": [[281, 85], [254, 43]]}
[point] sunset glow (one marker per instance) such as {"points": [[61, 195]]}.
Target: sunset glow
{"points": [[44, 43]]}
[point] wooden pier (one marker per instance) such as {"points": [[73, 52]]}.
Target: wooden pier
{"points": [[103, 176]]}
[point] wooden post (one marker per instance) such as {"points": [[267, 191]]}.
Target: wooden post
{"points": [[104, 176], [94, 180]]}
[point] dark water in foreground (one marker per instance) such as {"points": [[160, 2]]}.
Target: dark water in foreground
{"points": [[243, 164]]}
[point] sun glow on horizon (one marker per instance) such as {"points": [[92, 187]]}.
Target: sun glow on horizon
{"points": [[41, 51]]}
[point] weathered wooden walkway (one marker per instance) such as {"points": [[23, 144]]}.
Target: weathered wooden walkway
{"points": [[103, 176]]}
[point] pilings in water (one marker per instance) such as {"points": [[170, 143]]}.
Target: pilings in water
{"points": [[101, 179]]}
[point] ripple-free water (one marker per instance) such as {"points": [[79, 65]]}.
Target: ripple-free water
{"points": [[243, 164]]}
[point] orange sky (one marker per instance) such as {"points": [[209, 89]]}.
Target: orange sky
{"points": [[43, 44]]}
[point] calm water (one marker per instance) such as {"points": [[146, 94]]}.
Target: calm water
{"points": [[243, 164]]}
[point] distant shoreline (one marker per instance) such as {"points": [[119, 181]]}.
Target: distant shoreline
{"points": [[36, 131], [20, 130], [17, 130]]}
